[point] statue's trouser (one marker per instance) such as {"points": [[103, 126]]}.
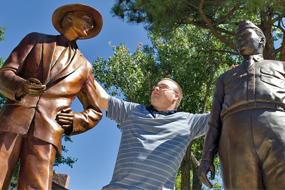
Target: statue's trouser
{"points": [[36, 161], [252, 150]]}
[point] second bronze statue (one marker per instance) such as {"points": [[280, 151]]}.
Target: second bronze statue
{"points": [[247, 119]]}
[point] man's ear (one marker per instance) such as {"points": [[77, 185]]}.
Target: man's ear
{"points": [[69, 17], [176, 97]]}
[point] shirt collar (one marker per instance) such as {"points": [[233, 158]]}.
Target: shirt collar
{"points": [[154, 111], [63, 41], [256, 57]]}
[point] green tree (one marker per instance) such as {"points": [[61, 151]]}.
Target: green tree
{"points": [[180, 55], [220, 17], [2, 31]]}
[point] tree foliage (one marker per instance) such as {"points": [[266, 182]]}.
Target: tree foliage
{"points": [[69, 161], [220, 17], [2, 31], [180, 55]]}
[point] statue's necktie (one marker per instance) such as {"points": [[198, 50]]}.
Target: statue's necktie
{"points": [[249, 62]]}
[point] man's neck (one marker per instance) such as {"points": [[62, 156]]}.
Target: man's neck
{"points": [[154, 111], [164, 109]]}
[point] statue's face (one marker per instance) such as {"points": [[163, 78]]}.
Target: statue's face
{"points": [[248, 42], [82, 23]]}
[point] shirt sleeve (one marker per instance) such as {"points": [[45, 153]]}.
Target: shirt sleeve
{"points": [[118, 110], [198, 124]]}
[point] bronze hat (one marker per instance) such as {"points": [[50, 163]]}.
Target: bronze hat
{"points": [[60, 12], [246, 24]]}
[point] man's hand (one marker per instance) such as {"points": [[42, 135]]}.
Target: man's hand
{"points": [[65, 118], [205, 167], [233, 66]]}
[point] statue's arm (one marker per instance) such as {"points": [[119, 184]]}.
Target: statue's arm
{"points": [[92, 113], [211, 142], [10, 80]]}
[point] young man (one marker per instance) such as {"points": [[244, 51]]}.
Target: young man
{"points": [[154, 139], [40, 79], [247, 119]]}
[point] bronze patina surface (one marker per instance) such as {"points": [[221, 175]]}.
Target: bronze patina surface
{"points": [[41, 78], [247, 125]]}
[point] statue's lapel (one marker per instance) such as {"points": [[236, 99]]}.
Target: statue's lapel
{"points": [[48, 51], [74, 64]]}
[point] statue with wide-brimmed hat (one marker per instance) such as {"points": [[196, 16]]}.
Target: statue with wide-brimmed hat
{"points": [[40, 79], [61, 12]]}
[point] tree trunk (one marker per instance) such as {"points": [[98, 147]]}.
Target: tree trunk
{"points": [[195, 167], [185, 169], [188, 161], [282, 53], [266, 27]]}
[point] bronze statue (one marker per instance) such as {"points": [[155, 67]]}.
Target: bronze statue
{"points": [[41, 78], [246, 125]]}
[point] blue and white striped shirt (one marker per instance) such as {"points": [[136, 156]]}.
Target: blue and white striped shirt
{"points": [[151, 148]]}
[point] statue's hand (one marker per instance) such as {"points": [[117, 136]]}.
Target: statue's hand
{"points": [[65, 118], [32, 87], [205, 167]]}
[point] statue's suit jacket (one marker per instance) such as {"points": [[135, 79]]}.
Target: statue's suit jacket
{"points": [[32, 58], [259, 86]]}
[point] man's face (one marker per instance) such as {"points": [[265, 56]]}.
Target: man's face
{"points": [[82, 23], [248, 42], [164, 95]]}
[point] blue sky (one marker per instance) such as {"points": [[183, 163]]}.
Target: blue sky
{"points": [[96, 149]]}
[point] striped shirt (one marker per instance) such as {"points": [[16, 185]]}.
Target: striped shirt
{"points": [[152, 145]]}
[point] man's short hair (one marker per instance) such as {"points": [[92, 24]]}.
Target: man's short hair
{"points": [[178, 90]]}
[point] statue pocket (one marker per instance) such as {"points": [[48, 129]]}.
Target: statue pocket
{"points": [[272, 81], [233, 83], [273, 78]]}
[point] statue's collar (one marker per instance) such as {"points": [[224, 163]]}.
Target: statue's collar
{"points": [[256, 57], [63, 41]]}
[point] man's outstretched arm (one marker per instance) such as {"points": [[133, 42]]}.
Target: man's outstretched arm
{"points": [[102, 95]]}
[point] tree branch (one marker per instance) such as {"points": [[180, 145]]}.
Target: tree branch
{"points": [[129, 88], [190, 4], [189, 21], [145, 71], [215, 33], [228, 15], [221, 51]]}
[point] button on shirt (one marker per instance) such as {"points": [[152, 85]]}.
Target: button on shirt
{"points": [[250, 67]]}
